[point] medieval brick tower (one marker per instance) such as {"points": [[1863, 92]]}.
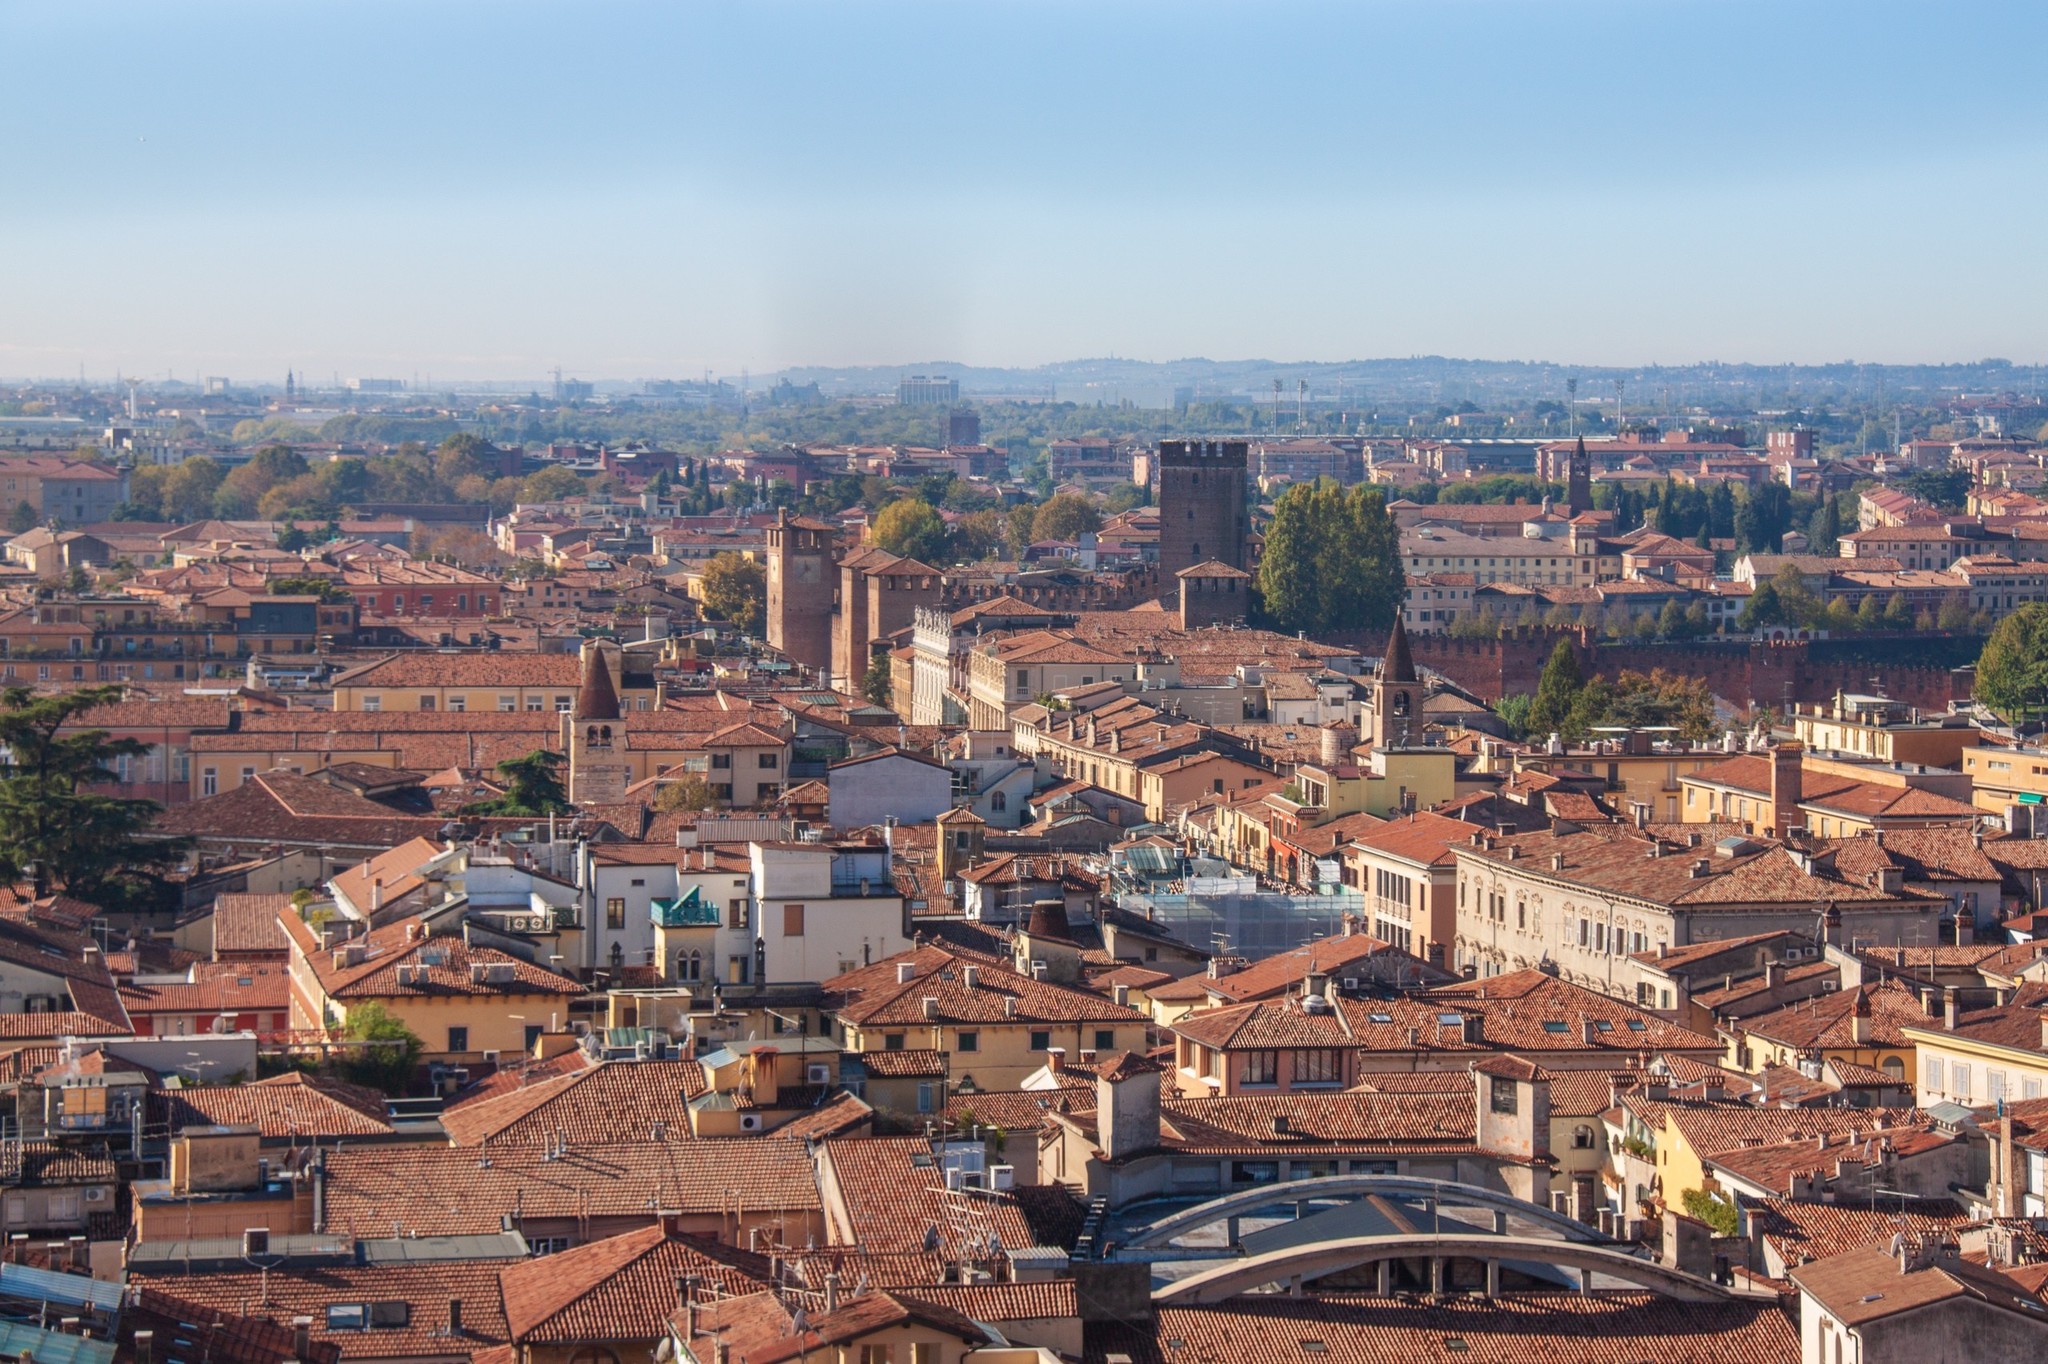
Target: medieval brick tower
{"points": [[800, 582], [1202, 513], [1578, 487]]}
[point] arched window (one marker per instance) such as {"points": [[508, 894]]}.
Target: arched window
{"points": [[999, 802], [1582, 1138], [1894, 1067]]}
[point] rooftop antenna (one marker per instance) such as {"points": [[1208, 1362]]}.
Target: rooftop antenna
{"points": [[1300, 404], [1276, 404], [1618, 386]]}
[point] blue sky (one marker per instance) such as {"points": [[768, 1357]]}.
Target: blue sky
{"points": [[635, 190]]}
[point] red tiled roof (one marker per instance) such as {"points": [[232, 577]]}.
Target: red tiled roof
{"points": [[615, 1101], [622, 1288]]}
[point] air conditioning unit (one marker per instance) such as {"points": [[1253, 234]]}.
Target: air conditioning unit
{"points": [[750, 1122], [95, 1195], [1002, 1178], [1828, 987], [1351, 982], [818, 1073], [491, 1055]]}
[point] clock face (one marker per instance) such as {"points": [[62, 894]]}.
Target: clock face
{"points": [[805, 570]]}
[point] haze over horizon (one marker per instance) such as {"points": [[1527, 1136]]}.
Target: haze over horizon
{"points": [[644, 190]]}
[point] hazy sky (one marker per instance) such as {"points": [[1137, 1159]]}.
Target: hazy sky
{"points": [[636, 190]]}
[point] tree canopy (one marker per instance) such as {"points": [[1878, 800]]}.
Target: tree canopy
{"points": [[532, 788], [736, 588], [55, 830], [910, 527], [2012, 671], [1556, 691], [1332, 561]]}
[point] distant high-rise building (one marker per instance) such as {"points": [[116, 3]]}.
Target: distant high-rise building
{"points": [[963, 426], [1202, 512], [291, 387], [216, 384], [921, 390], [376, 385]]}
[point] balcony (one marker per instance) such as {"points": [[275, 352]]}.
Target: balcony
{"points": [[688, 912]]}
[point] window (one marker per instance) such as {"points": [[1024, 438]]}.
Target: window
{"points": [[458, 703], [792, 921], [615, 912], [373, 703], [1500, 1094], [970, 1041], [721, 761], [563, 703], [1582, 1138], [769, 761], [892, 1041], [458, 1039], [736, 914], [426, 703], [1041, 1039], [1258, 1068], [509, 703], [998, 803], [347, 1316], [209, 781], [533, 703], [877, 1354], [924, 1096], [1318, 1066], [1105, 1039]]}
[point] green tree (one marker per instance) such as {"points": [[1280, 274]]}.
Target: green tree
{"points": [[1514, 713], [2012, 671], [1869, 613], [326, 589], [54, 829], [1954, 617], [874, 683], [551, 484], [1897, 615], [23, 518], [189, 488], [1671, 620], [1556, 690], [386, 1051], [1066, 517], [736, 588], [910, 527], [1332, 561], [1763, 609], [532, 788], [691, 793]]}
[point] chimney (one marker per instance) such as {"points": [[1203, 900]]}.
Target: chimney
{"points": [[831, 1293], [145, 1342], [376, 895], [302, 1338], [1785, 780], [972, 975], [1055, 1059], [1948, 1009]]}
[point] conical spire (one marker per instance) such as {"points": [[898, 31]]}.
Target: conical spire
{"points": [[1397, 666], [598, 699]]}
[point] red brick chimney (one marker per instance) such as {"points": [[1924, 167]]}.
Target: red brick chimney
{"points": [[1785, 775]]}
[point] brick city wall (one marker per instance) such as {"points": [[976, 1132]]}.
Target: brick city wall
{"points": [[1740, 672]]}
